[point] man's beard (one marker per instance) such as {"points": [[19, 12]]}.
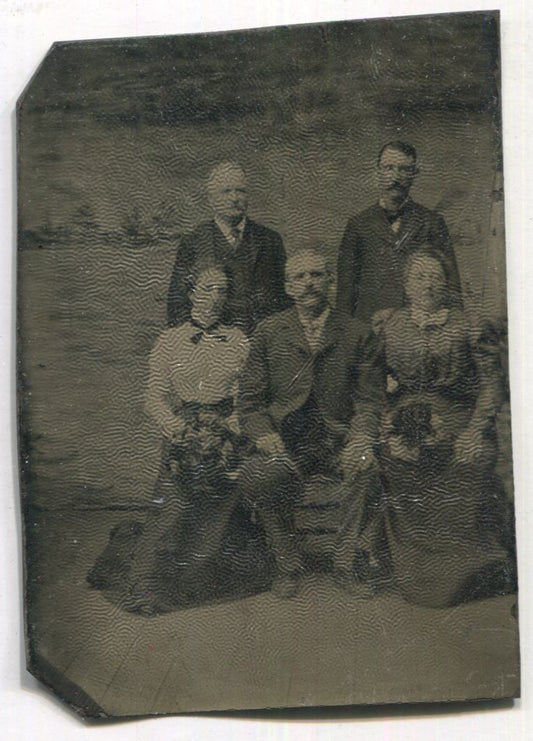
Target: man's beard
{"points": [[319, 301], [398, 189], [317, 295]]}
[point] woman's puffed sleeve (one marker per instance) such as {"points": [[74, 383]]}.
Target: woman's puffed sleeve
{"points": [[485, 349], [379, 319], [242, 345], [157, 396], [369, 390]]}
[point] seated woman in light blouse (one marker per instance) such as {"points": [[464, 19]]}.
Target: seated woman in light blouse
{"points": [[195, 544], [194, 369]]}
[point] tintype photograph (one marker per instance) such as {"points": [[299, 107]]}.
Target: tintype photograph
{"points": [[264, 408]]}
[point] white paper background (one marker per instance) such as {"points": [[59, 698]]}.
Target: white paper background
{"points": [[27, 29]]}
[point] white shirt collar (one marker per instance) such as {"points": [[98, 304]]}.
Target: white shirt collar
{"points": [[402, 205], [314, 323], [226, 229], [424, 319], [314, 328]]}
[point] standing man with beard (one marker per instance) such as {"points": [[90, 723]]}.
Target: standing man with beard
{"points": [[251, 255], [377, 242]]}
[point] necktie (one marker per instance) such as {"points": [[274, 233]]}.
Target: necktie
{"points": [[394, 215], [314, 335], [236, 236], [394, 219]]}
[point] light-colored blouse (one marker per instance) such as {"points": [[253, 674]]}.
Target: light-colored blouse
{"points": [[191, 364], [440, 359]]}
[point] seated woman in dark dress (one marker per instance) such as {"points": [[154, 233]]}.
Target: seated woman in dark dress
{"points": [[197, 542], [438, 451]]}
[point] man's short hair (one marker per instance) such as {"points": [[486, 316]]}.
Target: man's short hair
{"points": [[199, 268], [220, 170], [398, 146], [428, 251], [313, 251]]}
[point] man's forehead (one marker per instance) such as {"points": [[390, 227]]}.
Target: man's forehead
{"points": [[395, 155], [226, 177], [305, 262]]}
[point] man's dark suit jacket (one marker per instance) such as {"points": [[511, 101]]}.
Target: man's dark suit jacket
{"points": [[345, 377], [256, 269], [372, 258]]}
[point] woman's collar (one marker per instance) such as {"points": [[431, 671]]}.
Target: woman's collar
{"points": [[423, 318]]}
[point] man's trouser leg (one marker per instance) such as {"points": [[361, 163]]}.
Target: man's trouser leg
{"points": [[361, 521], [271, 487]]}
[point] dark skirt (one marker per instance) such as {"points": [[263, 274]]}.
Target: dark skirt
{"points": [[448, 529], [198, 542]]}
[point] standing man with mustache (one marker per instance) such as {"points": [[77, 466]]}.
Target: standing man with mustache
{"points": [[377, 242], [252, 255]]}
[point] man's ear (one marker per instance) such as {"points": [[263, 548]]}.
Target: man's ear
{"points": [[288, 287], [190, 291]]}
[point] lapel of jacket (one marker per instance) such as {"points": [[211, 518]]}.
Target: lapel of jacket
{"points": [[409, 225], [300, 360], [332, 331], [248, 245], [222, 250], [292, 332], [304, 359], [299, 370]]}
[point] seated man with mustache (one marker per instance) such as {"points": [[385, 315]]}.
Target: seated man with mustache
{"points": [[309, 402]]}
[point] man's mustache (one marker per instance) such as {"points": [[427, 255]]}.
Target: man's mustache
{"points": [[312, 292]]}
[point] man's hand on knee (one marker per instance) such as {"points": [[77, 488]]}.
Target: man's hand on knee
{"points": [[271, 445], [357, 456]]}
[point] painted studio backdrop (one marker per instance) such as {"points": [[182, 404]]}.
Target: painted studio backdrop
{"points": [[115, 146]]}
